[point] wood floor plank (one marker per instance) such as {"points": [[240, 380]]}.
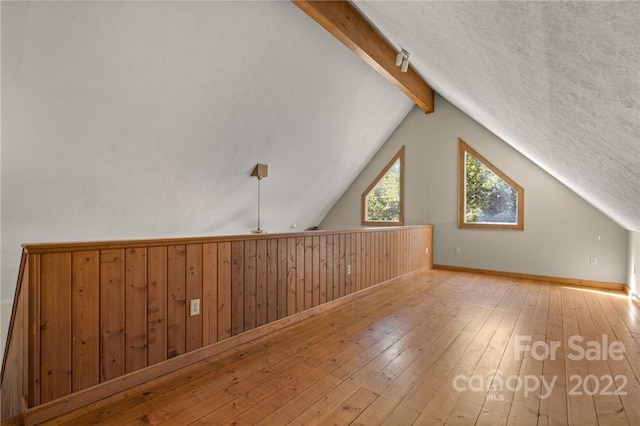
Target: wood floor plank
{"points": [[581, 407], [526, 402], [553, 409]]}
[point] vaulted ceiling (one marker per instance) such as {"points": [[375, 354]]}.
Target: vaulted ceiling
{"points": [[145, 119]]}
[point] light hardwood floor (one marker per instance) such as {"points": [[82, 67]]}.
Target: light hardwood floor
{"points": [[418, 350]]}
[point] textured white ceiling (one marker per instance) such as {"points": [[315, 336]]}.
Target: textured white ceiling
{"points": [[559, 81]]}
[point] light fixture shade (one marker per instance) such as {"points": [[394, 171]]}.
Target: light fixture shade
{"points": [[402, 60], [405, 65], [399, 59], [260, 171]]}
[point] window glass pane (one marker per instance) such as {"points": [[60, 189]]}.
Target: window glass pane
{"points": [[489, 199], [383, 201]]}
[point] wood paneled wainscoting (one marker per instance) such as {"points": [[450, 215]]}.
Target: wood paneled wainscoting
{"points": [[91, 319]]}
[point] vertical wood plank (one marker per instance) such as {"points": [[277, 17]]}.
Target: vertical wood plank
{"points": [[35, 297], [378, 257], [300, 273], [385, 256], [355, 269], [420, 249], [193, 291], [250, 285], [388, 262], [23, 352], [55, 326], [237, 287], [336, 267], [330, 267], [111, 314], [407, 248], [366, 261], [209, 304], [292, 277], [395, 253], [419, 236], [409, 254], [156, 304], [398, 253], [392, 254], [348, 265], [416, 249], [403, 250], [176, 303], [135, 303], [282, 278], [413, 249], [323, 268], [429, 257], [359, 261], [224, 290], [85, 287], [261, 282], [272, 280], [308, 272], [342, 269], [315, 271], [370, 259]]}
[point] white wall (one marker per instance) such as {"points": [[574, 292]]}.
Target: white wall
{"points": [[562, 231], [633, 265]]}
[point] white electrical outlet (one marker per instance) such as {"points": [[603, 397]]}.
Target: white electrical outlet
{"points": [[593, 260], [456, 250], [348, 269], [195, 307]]}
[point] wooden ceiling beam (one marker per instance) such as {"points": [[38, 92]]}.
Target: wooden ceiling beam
{"points": [[347, 24]]}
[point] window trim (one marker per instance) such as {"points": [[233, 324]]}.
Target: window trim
{"points": [[363, 210], [463, 147]]}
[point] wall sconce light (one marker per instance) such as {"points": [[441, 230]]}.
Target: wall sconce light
{"points": [[260, 171], [402, 60]]}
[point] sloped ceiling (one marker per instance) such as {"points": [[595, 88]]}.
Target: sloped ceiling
{"points": [[145, 119], [559, 81]]}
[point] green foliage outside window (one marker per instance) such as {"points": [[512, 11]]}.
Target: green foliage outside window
{"points": [[489, 199], [383, 202]]}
